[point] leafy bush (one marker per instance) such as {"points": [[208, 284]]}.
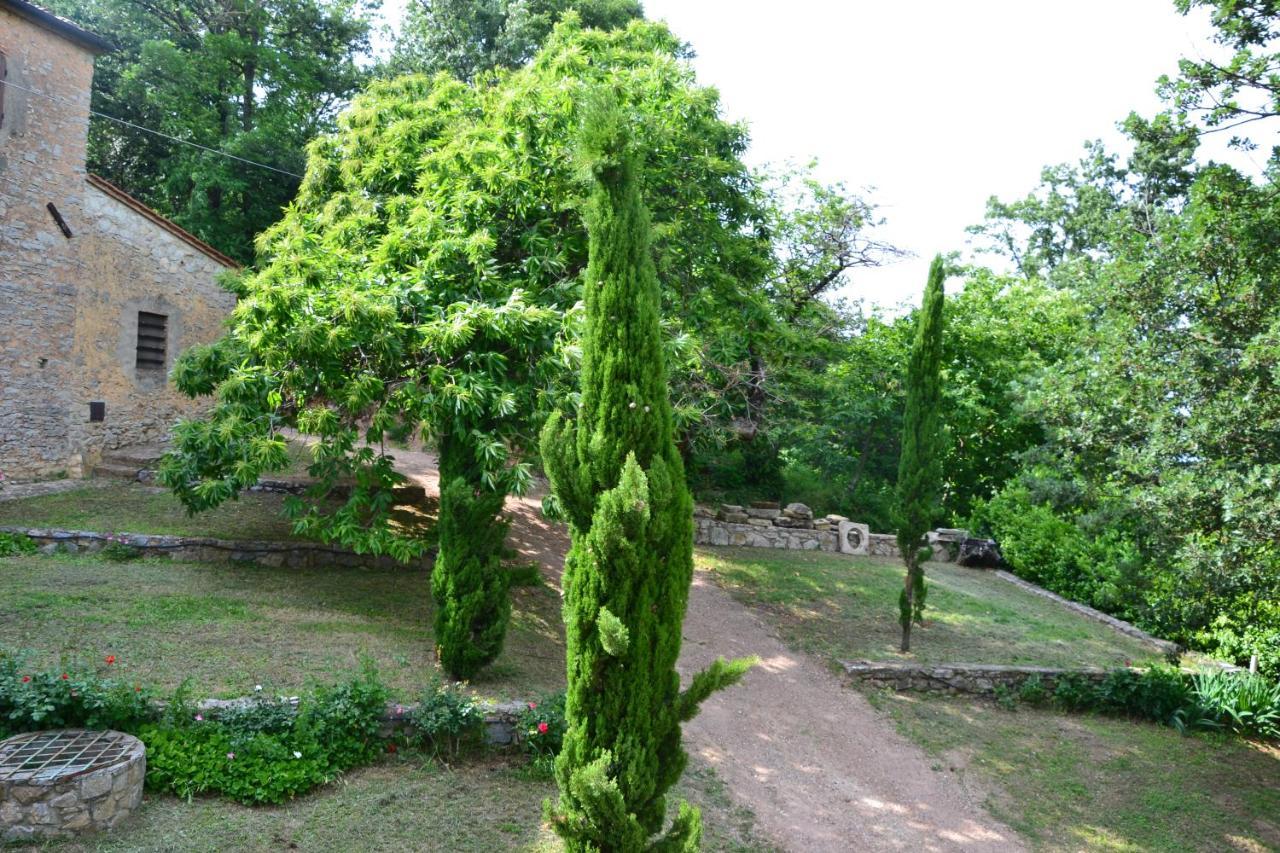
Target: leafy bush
{"points": [[540, 728], [1033, 692], [13, 544], [1240, 702], [446, 718], [265, 751], [118, 550], [31, 700]]}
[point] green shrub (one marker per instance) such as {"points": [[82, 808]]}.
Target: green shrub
{"points": [[1240, 702], [525, 574], [446, 719], [118, 549], [1033, 692], [540, 728], [13, 544]]}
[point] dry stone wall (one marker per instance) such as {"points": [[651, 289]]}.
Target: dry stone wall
{"points": [[971, 678], [794, 527]]}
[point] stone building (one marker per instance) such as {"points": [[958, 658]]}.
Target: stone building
{"points": [[98, 293]]}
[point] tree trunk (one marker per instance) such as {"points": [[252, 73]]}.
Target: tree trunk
{"points": [[907, 606]]}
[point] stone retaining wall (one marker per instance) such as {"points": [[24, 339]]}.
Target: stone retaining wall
{"points": [[971, 678], [1166, 647], [291, 555]]}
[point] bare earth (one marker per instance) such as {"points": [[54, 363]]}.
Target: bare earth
{"points": [[819, 767]]}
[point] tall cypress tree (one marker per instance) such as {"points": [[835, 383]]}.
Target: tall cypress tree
{"points": [[620, 480], [920, 465]]}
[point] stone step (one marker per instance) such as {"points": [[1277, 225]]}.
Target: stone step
{"points": [[141, 456], [116, 470]]}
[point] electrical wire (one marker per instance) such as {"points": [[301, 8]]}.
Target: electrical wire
{"points": [[130, 124]]}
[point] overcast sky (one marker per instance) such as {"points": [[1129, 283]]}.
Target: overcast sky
{"points": [[935, 104]]}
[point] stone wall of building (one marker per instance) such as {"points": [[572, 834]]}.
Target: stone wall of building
{"points": [[42, 156], [69, 304], [136, 265]]}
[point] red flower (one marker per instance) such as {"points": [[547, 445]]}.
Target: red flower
{"points": [[25, 679], [533, 705], [137, 689], [391, 747], [111, 659], [65, 676], [542, 728]]}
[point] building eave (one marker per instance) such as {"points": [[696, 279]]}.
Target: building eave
{"points": [[56, 24], [110, 189]]}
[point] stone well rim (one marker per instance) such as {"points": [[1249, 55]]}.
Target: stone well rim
{"points": [[52, 757]]}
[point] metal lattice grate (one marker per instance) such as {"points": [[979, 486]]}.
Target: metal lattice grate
{"points": [[48, 756]]}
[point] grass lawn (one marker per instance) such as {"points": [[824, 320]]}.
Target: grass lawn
{"points": [[1068, 782], [120, 507], [846, 608], [230, 626], [407, 803]]}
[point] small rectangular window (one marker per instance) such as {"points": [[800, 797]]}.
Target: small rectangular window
{"points": [[152, 340], [4, 74], [97, 412]]}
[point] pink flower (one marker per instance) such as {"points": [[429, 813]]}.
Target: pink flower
{"points": [[542, 728], [231, 756], [199, 718], [533, 705]]}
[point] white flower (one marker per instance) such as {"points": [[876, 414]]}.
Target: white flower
{"points": [[633, 405], [257, 688], [646, 408], [297, 754]]}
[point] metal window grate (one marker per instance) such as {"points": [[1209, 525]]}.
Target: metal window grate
{"points": [[152, 340], [44, 756]]}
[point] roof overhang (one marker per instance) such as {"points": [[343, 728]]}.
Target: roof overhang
{"points": [[61, 26]]}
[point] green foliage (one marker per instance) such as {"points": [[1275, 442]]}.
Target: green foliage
{"points": [[13, 544], [118, 549], [469, 37], [920, 462], [619, 479], [264, 752], [446, 718], [76, 697], [257, 81], [1243, 703], [541, 728]]}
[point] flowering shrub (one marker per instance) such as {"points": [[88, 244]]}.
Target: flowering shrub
{"points": [[72, 698], [540, 728], [12, 544], [446, 718]]}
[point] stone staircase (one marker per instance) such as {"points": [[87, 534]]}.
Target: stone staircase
{"points": [[129, 463]]}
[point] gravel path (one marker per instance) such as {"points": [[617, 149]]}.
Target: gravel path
{"points": [[820, 768]]}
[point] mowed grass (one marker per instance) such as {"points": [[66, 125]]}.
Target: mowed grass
{"points": [[405, 803], [120, 507], [230, 626], [846, 608], [1068, 782]]}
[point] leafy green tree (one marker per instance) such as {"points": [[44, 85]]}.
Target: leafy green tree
{"points": [[469, 37], [920, 464], [620, 480], [424, 284], [257, 79]]}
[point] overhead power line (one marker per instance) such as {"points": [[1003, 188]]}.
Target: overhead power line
{"points": [[158, 133]]}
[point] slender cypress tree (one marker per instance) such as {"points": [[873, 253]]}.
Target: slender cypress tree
{"points": [[620, 480], [468, 582], [920, 465]]}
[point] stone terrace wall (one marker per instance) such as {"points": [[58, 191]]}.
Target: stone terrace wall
{"points": [[794, 527], [290, 555], [970, 678]]}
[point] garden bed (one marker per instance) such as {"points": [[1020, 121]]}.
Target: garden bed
{"points": [[845, 608]]}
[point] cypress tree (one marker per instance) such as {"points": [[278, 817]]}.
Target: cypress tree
{"points": [[468, 582], [620, 480], [920, 465]]}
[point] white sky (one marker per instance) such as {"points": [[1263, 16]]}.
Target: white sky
{"points": [[935, 104]]}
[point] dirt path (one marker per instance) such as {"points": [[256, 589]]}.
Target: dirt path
{"points": [[819, 767]]}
